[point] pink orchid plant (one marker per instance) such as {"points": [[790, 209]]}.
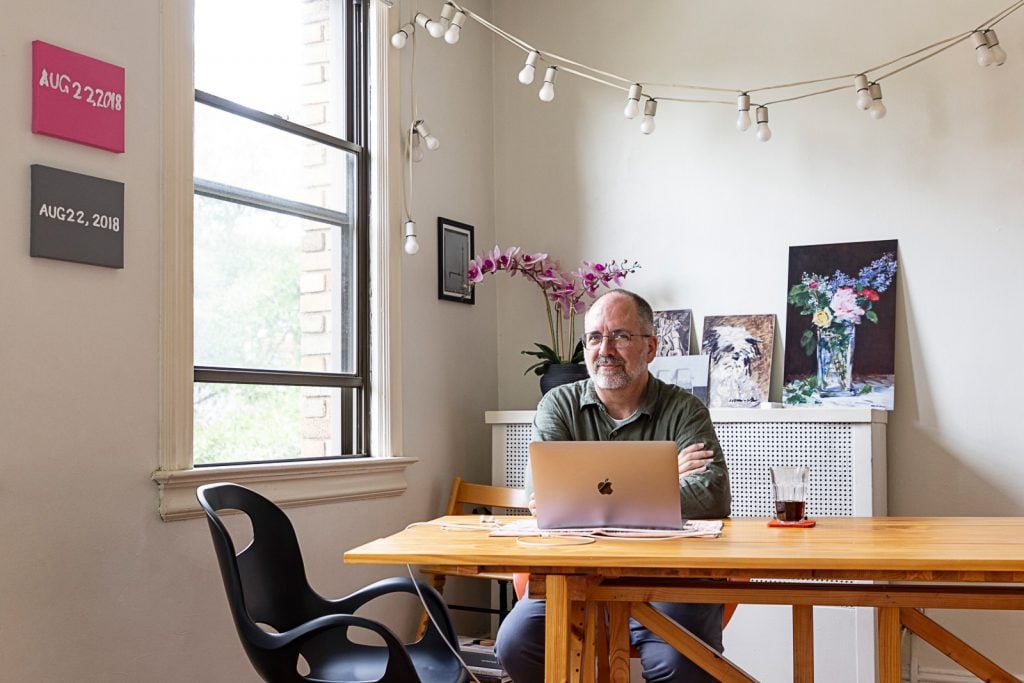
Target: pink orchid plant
{"points": [[565, 295]]}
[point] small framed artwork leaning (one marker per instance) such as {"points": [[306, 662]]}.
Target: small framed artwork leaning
{"points": [[454, 249]]}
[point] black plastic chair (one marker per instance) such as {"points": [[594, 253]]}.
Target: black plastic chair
{"points": [[266, 584]]}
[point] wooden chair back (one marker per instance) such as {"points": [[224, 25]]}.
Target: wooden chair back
{"points": [[466, 494]]}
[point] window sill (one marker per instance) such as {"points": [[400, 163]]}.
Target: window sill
{"points": [[288, 484]]}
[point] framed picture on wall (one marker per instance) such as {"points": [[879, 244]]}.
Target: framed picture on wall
{"points": [[454, 249]]}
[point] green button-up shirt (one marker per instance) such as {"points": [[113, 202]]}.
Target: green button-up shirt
{"points": [[573, 412]]}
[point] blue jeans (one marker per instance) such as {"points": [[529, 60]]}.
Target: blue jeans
{"points": [[520, 644]]}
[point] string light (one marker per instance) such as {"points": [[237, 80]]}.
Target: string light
{"points": [[863, 93], [650, 111], [998, 53], [429, 140], [877, 109], [412, 245], [447, 11], [526, 75], [402, 35], [986, 45], [633, 101], [764, 133], [434, 28], [451, 36], [743, 107], [547, 91], [981, 49]]}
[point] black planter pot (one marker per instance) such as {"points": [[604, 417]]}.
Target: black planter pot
{"points": [[558, 374]]}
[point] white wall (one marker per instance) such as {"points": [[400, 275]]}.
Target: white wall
{"points": [[94, 586], [710, 212]]}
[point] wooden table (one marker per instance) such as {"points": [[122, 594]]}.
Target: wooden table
{"points": [[940, 562]]}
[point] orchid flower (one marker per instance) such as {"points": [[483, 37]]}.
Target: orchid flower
{"points": [[507, 259], [488, 264], [473, 272], [563, 294]]}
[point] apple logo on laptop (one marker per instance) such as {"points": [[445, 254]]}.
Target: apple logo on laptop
{"points": [[604, 487]]}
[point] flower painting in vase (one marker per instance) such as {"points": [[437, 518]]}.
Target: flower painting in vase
{"points": [[841, 309]]}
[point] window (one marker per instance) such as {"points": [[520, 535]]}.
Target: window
{"points": [[280, 231], [268, 193]]}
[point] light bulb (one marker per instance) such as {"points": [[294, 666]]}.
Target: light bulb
{"points": [[998, 53], [650, 111], [764, 133], [526, 75], [633, 101], [981, 49], [412, 245], [877, 109], [429, 140], [447, 10], [434, 28], [401, 36], [743, 107], [451, 36], [863, 94], [547, 91]]}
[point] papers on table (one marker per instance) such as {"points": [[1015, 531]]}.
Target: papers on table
{"points": [[693, 528]]}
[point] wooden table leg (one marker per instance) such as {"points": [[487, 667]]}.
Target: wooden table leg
{"points": [[889, 645], [803, 644], [618, 641], [577, 630], [590, 634], [556, 629], [601, 643]]}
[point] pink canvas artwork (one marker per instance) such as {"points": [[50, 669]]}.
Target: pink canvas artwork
{"points": [[77, 98]]}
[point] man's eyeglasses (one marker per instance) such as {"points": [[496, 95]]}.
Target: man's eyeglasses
{"points": [[618, 339]]}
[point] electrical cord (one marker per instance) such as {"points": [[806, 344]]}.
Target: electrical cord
{"points": [[423, 602], [554, 541]]}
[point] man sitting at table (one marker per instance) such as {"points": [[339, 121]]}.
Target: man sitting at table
{"points": [[623, 401]]}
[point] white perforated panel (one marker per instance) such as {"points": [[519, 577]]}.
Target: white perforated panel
{"points": [[752, 447], [517, 444]]}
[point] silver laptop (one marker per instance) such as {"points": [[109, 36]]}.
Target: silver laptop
{"points": [[606, 484]]}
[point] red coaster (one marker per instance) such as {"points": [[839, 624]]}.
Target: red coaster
{"points": [[802, 524]]}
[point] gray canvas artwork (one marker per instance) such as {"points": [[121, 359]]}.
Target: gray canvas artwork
{"points": [[688, 372], [740, 348], [673, 331]]}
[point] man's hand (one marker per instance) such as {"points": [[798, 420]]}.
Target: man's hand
{"points": [[533, 505], [693, 460]]}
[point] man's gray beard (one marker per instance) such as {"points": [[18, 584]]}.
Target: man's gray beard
{"points": [[620, 380]]}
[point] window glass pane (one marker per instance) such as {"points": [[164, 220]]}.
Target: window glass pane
{"points": [[235, 151], [283, 57], [244, 422], [272, 291]]}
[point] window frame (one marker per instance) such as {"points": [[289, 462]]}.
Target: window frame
{"points": [[381, 472], [353, 434]]}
